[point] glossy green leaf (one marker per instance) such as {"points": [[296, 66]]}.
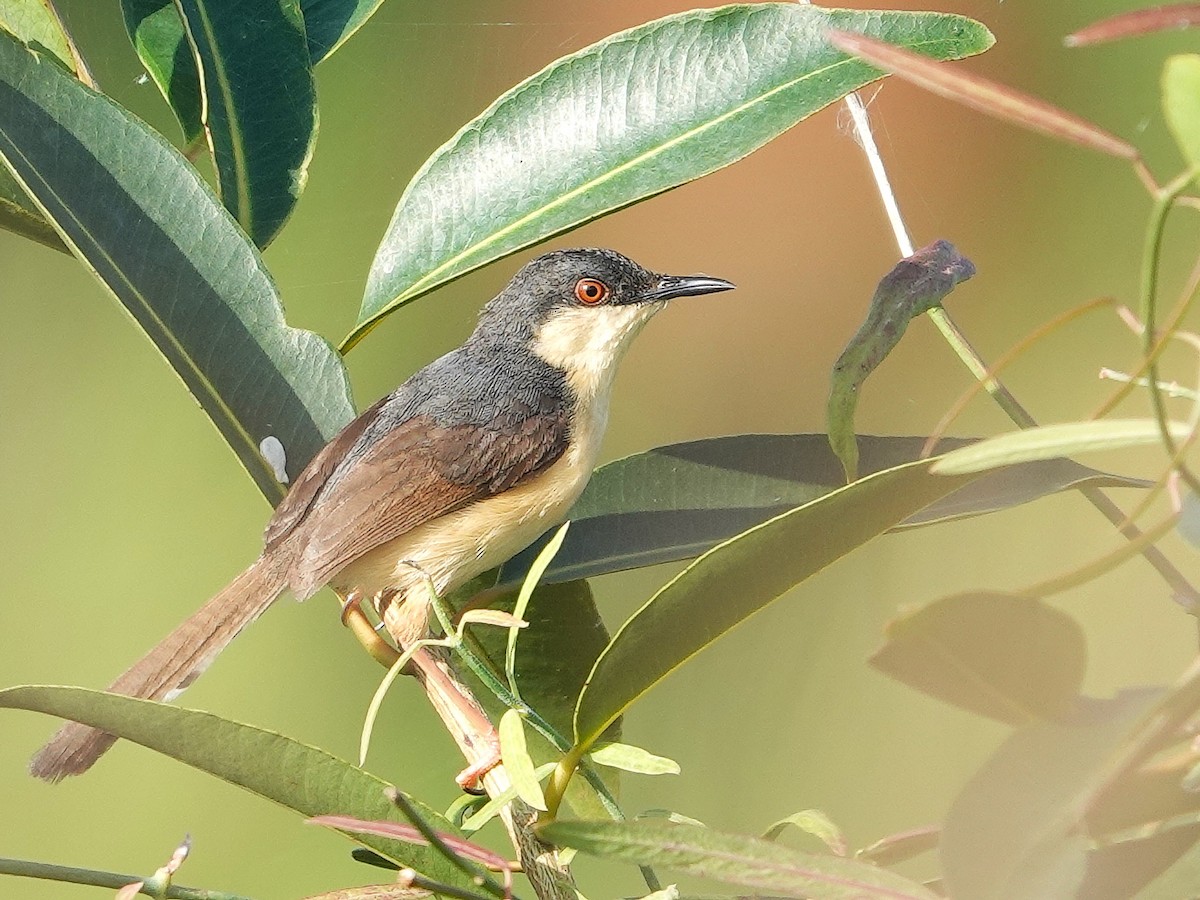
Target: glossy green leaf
{"points": [[1014, 831], [145, 223], [635, 114], [914, 286], [734, 859], [260, 105], [678, 501], [161, 43], [736, 579], [302, 778], [1015, 659], [517, 760], [37, 25], [158, 35], [1050, 441], [1181, 103]]}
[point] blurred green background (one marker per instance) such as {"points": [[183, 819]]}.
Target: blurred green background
{"points": [[123, 510]]}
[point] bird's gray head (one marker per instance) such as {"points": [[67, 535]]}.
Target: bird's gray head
{"points": [[579, 309]]}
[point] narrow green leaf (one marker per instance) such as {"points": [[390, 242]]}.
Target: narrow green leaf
{"points": [[738, 578], [734, 859], [1181, 103], [914, 286], [814, 822], [149, 228], [629, 758], [159, 37], [302, 778], [1011, 658], [1013, 832], [678, 501], [517, 761], [492, 808], [532, 579], [635, 114], [260, 105], [1049, 441]]}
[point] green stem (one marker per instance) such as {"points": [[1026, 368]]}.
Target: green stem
{"points": [[111, 880], [1151, 257], [492, 681]]}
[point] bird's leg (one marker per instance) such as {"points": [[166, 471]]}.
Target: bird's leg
{"points": [[364, 632], [407, 621]]}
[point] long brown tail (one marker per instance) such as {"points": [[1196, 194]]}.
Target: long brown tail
{"points": [[177, 661]]}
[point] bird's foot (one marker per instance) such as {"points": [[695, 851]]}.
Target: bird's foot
{"points": [[470, 779], [364, 632]]}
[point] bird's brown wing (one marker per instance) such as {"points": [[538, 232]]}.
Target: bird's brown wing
{"points": [[293, 509], [415, 472]]}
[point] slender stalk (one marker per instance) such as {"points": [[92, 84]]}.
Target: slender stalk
{"points": [[971, 358], [111, 880]]}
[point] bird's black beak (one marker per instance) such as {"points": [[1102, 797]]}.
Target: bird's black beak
{"points": [[670, 286]]}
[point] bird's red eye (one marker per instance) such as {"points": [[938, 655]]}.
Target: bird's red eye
{"points": [[590, 291]]}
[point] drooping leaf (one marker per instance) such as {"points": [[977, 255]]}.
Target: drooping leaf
{"points": [[1181, 103], [302, 778], [159, 37], [1012, 658], [734, 859], [914, 286], [1015, 830], [149, 228], [678, 501], [1050, 441], [633, 115], [260, 105], [736, 579]]}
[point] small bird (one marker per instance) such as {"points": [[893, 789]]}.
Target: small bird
{"points": [[459, 468]]}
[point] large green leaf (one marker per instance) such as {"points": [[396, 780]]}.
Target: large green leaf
{"points": [[638, 113], [158, 35], [302, 778], [144, 222], [735, 859], [37, 24], [678, 501], [1015, 659], [1014, 831], [260, 105], [741, 576]]}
